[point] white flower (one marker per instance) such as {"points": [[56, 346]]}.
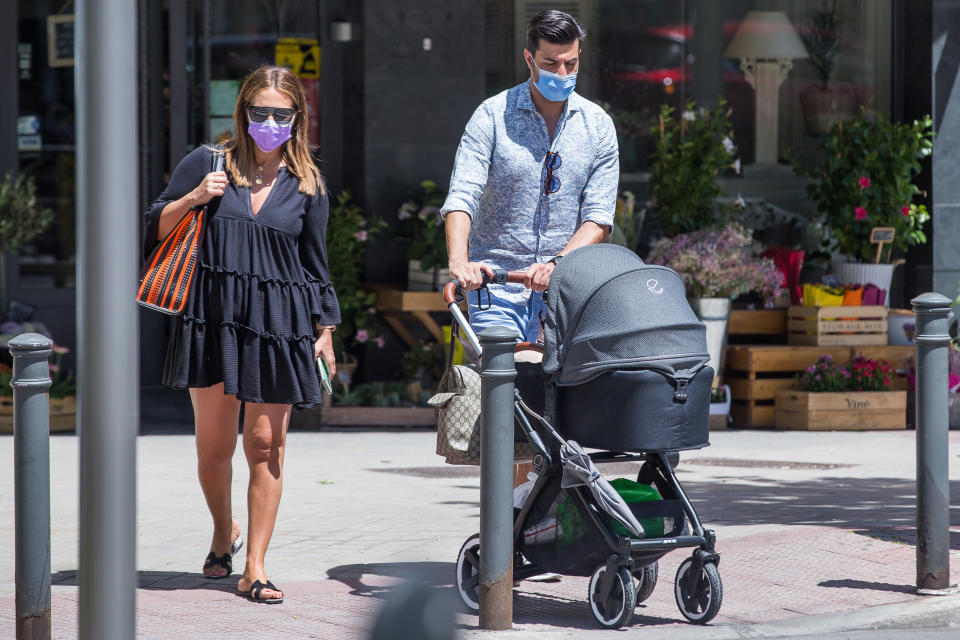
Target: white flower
{"points": [[736, 166], [728, 144], [406, 210], [740, 201], [689, 116], [427, 211]]}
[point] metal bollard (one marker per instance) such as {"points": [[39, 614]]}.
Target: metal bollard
{"points": [[933, 488], [31, 477], [497, 375]]}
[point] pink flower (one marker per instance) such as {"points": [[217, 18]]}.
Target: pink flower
{"points": [[905, 211], [381, 341], [864, 182], [860, 213], [57, 349], [361, 236], [361, 336]]}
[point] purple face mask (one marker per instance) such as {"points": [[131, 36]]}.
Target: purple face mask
{"points": [[268, 134]]}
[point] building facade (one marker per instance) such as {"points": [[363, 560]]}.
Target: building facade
{"points": [[392, 84]]}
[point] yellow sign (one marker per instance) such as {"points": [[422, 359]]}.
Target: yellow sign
{"points": [[300, 55]]}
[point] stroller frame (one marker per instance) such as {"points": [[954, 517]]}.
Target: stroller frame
{"points": [[698, 589]]}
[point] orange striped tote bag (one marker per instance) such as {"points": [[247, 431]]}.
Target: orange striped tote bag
{"points": [[168, 273]]}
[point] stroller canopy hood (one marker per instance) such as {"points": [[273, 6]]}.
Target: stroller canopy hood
{"points": [[608, 310]]}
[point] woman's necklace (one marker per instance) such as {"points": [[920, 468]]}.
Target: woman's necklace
{"points": [[258, 174]]}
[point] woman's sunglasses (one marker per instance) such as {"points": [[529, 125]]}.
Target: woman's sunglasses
{"points": [[551, 183], [260, 114]]}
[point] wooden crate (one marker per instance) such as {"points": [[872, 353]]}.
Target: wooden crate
{"points": [[756, 373], [826, 326], [848, 411], [757, 322], [63, 414]]}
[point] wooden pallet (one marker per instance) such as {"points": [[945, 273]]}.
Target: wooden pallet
{"points": [[757, 322], [827, 326], [756, 373], [848, 411]]}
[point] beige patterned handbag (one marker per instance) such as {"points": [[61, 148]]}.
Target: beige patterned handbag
{"points": [[458, 418]]}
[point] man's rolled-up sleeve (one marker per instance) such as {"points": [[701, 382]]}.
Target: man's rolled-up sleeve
{"points": [[599, 199], [471, 166]]}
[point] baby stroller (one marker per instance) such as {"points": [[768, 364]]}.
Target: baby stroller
{"points": [[624, 371]]}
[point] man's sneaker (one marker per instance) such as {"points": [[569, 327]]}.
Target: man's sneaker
{"points": [[545, 577]]}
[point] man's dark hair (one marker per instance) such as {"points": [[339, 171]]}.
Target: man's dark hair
{"points": [[553, 26]]}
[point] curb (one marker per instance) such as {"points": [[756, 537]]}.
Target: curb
{"points": [[929, 613]]}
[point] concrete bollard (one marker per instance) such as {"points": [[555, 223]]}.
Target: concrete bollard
{"points": [[933, 488], [497, 375], [31, 476]]}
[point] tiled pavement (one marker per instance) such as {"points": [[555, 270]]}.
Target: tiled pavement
{"points": [[808, 524]]}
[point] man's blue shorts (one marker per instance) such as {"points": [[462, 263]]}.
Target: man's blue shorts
{"points": [[520, 316]]}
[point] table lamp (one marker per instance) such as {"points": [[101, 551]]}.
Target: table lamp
{"points": [[766, 45]]}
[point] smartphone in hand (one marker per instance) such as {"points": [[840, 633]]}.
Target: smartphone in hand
{"points": [[324, 375]]}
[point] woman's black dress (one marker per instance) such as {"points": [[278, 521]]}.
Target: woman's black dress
{"points": [[260, 284]]}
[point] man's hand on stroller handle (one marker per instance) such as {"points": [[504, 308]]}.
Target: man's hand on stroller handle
{"points": [[470, 275], [537, 276], [453, 293]]}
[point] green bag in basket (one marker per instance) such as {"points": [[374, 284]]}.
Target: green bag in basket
{"points": [[633, 492]]}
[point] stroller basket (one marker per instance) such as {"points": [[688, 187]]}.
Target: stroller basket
{"points": [[636, 411]]}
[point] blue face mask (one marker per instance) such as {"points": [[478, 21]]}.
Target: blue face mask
{"points": [[555, 87]]}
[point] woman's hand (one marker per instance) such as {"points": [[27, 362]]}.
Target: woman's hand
{"points": [[323, 348], [213, 185]]}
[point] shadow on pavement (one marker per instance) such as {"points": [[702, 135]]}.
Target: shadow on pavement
{"points": [[161, 581], [849, 503], [379, 579], [872, 586]]}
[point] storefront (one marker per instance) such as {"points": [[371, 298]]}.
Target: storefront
{"points": [[391, 86]]}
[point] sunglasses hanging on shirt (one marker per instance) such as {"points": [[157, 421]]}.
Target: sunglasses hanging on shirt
{"points": [[553, 161]]}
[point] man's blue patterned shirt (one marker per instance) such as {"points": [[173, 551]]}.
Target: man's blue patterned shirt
{"points": [[499, 173]]}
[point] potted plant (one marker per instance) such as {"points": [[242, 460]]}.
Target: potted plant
{"points": [[830, 395], [823, 104], [865, 179], [689, 153], [21, 220], [347, 234], [718, 264], [423, 228]]}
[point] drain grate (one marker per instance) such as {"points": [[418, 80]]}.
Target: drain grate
{"points": [[763, 464]]}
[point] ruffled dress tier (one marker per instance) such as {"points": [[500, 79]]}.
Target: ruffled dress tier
{"points": [[261, 284]]}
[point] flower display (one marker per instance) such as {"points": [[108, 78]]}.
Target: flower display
{"points": [[863, 374], [865, 179], [689, 154], [347, 234], [825, 376], [719, 263], [422, 225]]}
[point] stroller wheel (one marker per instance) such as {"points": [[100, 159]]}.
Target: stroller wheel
{"points": [[612, 609], [698, 605], [468, 573], [646, 580]]}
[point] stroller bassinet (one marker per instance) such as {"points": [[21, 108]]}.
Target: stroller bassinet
{"points": [[621, 330]]}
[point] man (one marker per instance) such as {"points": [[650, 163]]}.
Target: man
{"points": [[535, 176]]}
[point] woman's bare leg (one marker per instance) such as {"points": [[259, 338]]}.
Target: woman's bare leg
{"points": [[216, 416], [264, 436]]}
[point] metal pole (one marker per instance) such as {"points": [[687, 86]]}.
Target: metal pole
{"points": [[31, 478], [933, 488], [497, 375], [107, 323]]}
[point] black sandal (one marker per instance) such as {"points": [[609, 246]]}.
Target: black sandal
{"points": [[257, 588], [225, 561]]}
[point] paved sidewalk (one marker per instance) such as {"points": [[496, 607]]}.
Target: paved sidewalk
{"points": [[815, 532]]}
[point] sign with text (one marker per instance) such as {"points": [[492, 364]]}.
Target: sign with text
{"points": [[300, 55], [60, 40]]}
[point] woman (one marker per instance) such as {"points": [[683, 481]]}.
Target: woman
{"points": [[261, 310]]}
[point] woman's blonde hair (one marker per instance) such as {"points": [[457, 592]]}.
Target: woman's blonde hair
{"points": [[295, 151]]}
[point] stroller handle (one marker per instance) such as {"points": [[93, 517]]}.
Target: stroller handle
{"points": [[453, 292]]}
